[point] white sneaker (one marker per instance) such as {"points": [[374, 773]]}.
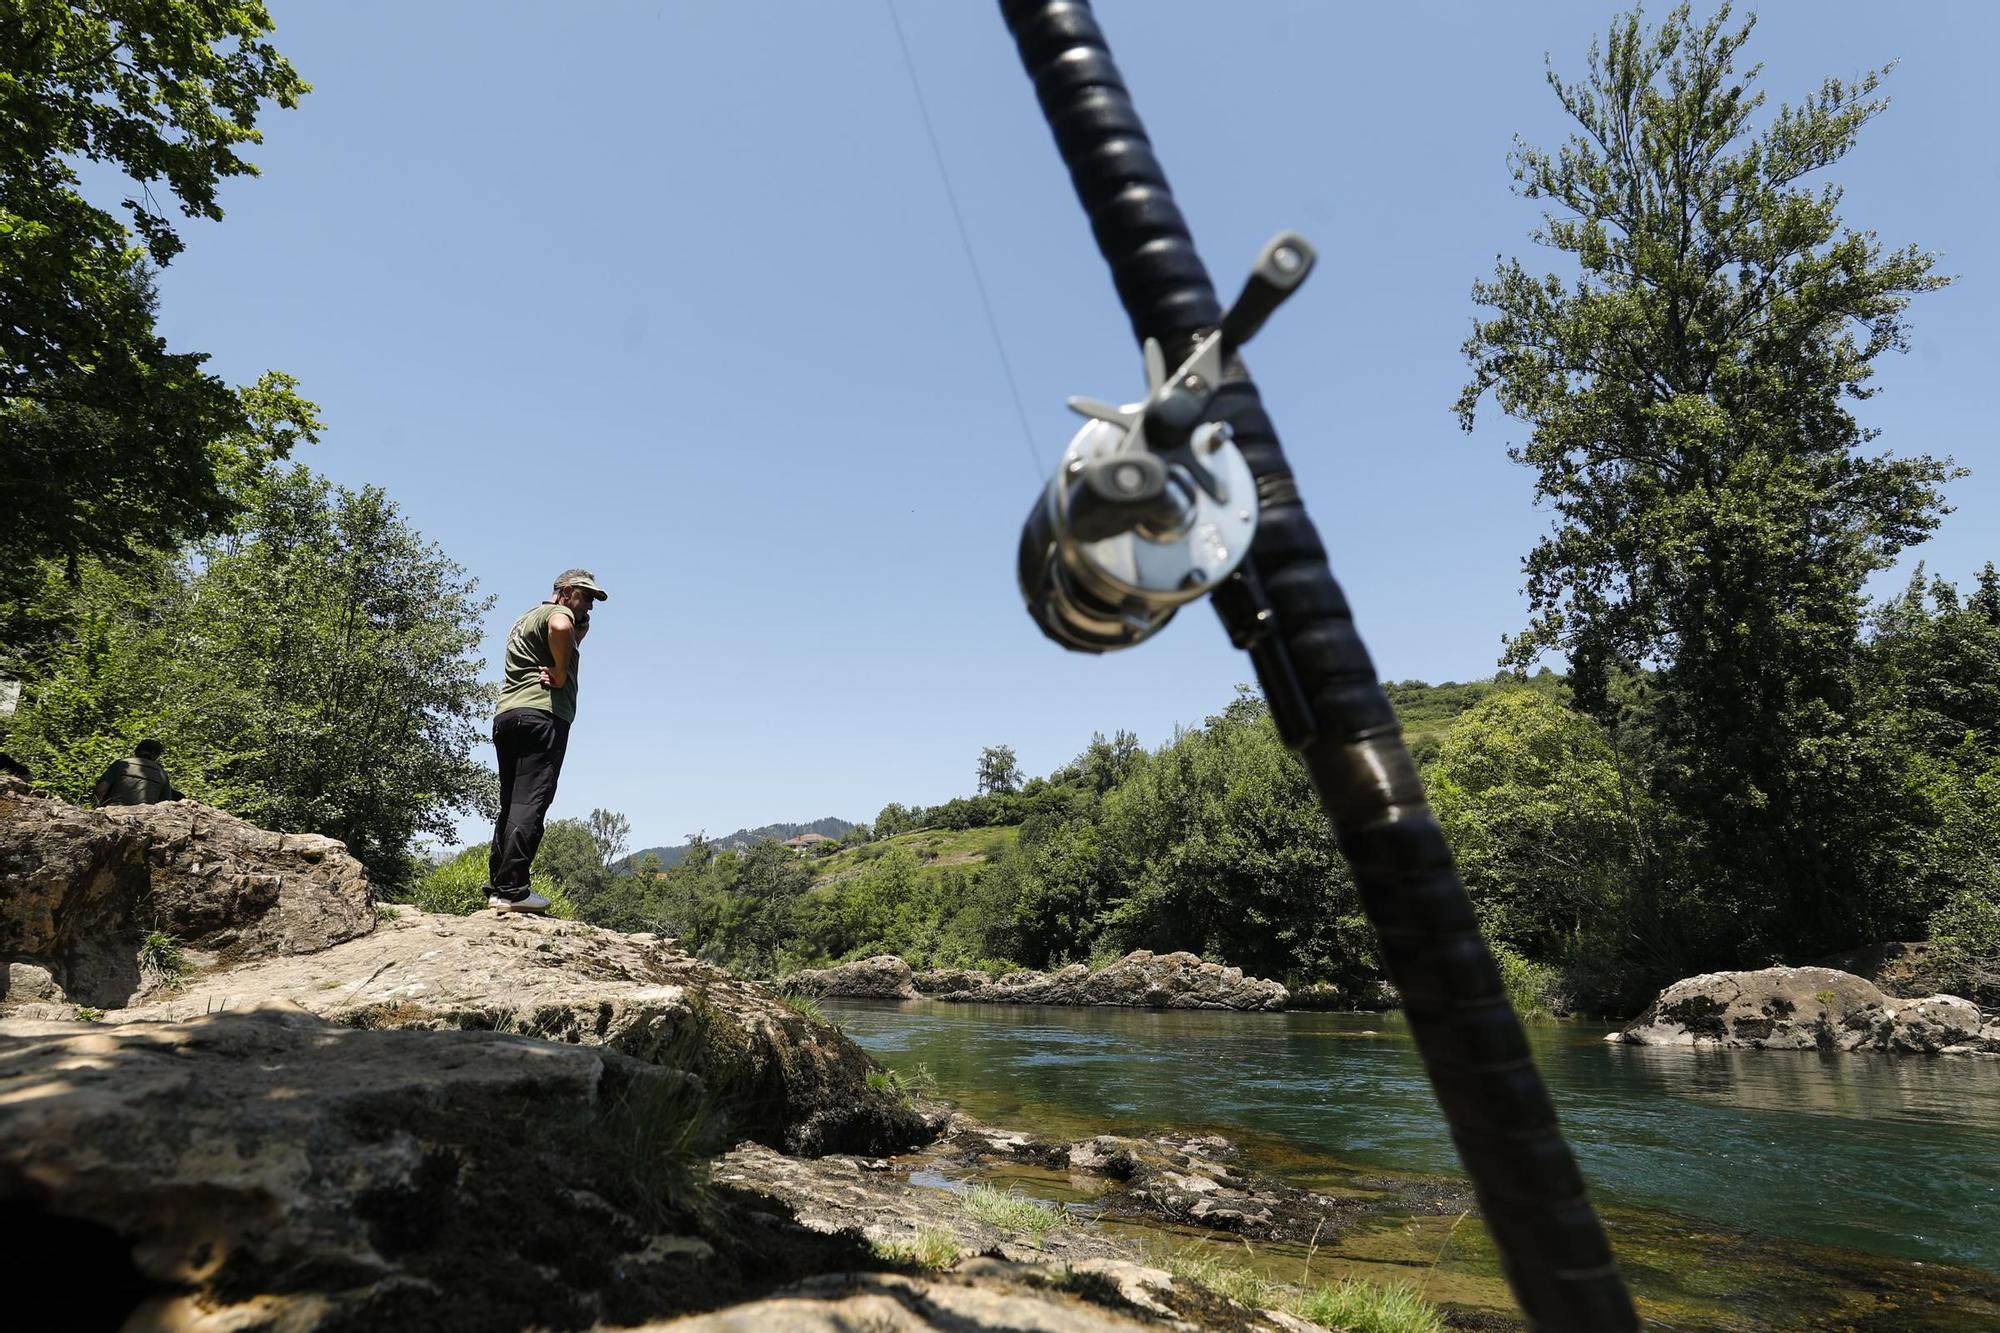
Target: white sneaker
{"points": [[533, 902]]}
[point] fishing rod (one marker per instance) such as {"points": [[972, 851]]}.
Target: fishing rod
{"points": [[1187, 494]]}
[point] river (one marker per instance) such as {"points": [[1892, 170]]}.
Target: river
{"points": [[1733, 1180]]}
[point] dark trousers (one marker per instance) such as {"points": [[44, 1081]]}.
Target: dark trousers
{"points": [[531, 745]]}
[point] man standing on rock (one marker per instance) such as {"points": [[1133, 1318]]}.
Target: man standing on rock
{"points": [[138, 780], [531, 732]]}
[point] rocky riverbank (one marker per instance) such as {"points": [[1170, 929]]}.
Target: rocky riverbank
{"points": [[1809, 1008], [242, 1096], [1142, 980]]}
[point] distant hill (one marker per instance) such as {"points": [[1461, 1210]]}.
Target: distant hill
{"points": [[745, 838]]}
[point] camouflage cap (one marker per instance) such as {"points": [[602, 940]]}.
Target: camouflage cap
{"points": [[581, 578]]}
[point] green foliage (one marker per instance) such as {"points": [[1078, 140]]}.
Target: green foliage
{"points": [[1216, 845], [114, 444], [456, 887], [1538, 815], [85, 1013], [1688, 395], [316, 671], [569, 857], [1534, 989]]}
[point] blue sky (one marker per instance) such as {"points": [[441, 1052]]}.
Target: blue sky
{"points": [[672, 291]]}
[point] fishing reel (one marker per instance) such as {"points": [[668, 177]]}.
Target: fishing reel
{"points": [[1153, 504]]}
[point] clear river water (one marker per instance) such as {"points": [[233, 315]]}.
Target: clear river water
{"points": [[1743, 1188]]}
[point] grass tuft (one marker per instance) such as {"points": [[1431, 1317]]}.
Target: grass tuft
{"points": [[928, 1249], [86, 1013], [1349, 1305], [654, 1140], [161, 960], [806, 1007], [1012, 1211]]}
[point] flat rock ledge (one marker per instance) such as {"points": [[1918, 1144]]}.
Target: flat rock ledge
{"points": [[267, 1169], [1140, 980], [788, 1080], [1809, 1008], [83, 888]]}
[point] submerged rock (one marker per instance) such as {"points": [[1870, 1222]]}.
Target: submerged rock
{"points": [[1808, 1008], [1142, 980], [85, 887]]}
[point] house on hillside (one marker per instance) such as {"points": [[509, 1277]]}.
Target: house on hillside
{"points": [[805, 842]]}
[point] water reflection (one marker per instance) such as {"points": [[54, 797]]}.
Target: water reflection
{"points": [[1858, 1086]]}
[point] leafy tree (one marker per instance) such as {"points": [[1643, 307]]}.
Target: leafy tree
{"points": [[895, 818], [1104, 764], [611, 834], [998, 770], [1933, 681], [316, 671], [114, 443], [1689, 402], [569, 855], [1538, 817]]}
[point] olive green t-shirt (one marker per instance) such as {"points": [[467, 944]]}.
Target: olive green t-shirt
{"points": [[528, 651], [136, 781]]}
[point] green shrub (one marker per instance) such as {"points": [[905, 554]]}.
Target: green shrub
{"points": [[1534, 989], [457, 887]]}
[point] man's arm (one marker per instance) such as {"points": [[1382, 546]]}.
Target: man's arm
{"points": [[562, 647]]}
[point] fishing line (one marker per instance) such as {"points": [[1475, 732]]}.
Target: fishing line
{"points": [[965, 239]]}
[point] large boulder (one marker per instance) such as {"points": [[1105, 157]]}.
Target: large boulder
{"points": [[267, 1169], [1141, 980], [883, 977], [1808, 1008], [792, 1082], [83, 889]]}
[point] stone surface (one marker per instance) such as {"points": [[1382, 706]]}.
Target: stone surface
{"points": [[883, 977], [1143, 980], [83, 888], [1808, 1008], [265, 1168], [991, 1296], [790, 1081]]}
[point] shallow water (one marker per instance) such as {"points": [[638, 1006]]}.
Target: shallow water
{"points": [[1738, 1185]]}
